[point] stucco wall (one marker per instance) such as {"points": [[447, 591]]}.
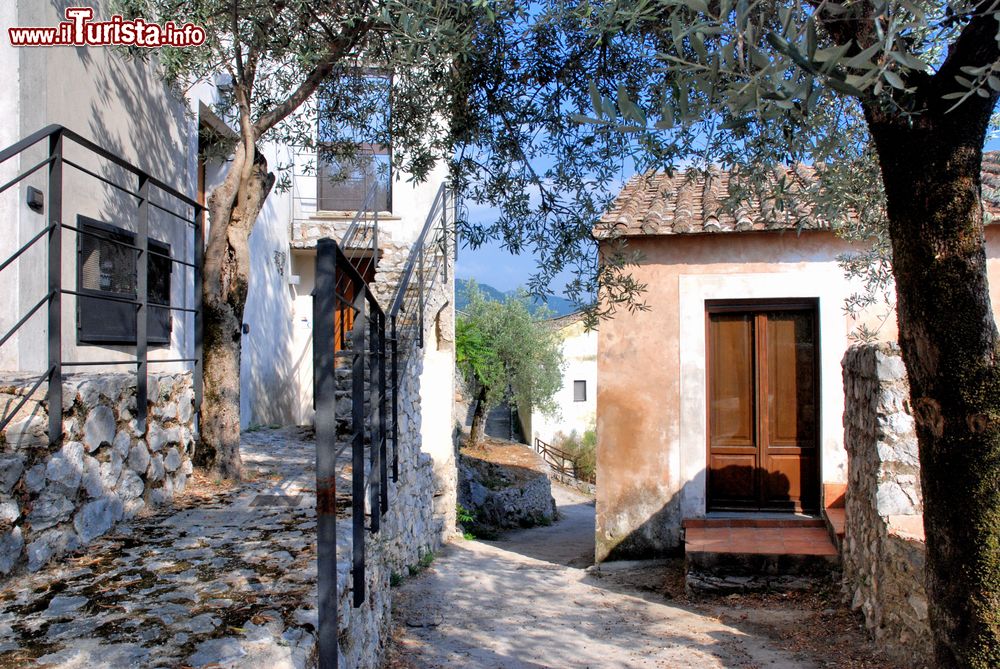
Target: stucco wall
{"points": [[579, 349], [269, 381], [651, 364], [121, 105]]}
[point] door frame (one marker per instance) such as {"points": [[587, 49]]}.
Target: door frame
{"points": [[744, 305]]}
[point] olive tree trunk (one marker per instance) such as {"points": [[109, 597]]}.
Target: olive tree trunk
{"points": [[478, 429], [233, 209], [931, 170]]}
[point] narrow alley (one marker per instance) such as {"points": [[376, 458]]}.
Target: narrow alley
{"points": [[532, 600]]}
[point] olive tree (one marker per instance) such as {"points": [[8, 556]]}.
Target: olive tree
{"points": [[268, 60], [506, 352]]}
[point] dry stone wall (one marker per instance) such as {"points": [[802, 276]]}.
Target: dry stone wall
{"points": [[57, 499], [421, 502], [884, 546], [409, 532]]}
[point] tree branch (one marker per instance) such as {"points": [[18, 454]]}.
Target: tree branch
{"points": [[336, 51], [853, 22], [975, 46]]}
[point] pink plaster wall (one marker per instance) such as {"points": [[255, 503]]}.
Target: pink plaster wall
{"points": [[638, 398]]}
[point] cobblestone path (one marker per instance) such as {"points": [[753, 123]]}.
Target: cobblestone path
{"points": [[227, 581]]}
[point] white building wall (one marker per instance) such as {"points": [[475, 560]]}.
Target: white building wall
{"points": [[11, 200], [122, 106], [579, 348], [270, 384]]}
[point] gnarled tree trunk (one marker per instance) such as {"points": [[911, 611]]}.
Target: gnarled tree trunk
{"points": [[233, 209], [478, 428], [931, 170]]}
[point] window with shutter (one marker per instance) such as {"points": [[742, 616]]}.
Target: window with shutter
{"points": [[106, 267]]}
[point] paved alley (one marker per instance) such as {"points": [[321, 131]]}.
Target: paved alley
{"points": [[523, 602], [226, 578]]}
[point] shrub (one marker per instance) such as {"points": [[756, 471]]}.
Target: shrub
{"points": [[583, 450]]}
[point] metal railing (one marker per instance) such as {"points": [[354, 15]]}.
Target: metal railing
{"points": [[350, 325], [57, 138], [563, 464]]}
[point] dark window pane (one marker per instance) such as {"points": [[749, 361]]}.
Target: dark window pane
{"points": [[106, 267], [579, 391]]}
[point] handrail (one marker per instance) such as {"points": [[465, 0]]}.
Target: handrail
{"points": [[355, 224], [57, 136], [543, 449], [404, 281], [56, 129], [543, 446]]}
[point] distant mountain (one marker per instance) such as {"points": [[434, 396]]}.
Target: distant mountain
{"points": [[559, 306]]}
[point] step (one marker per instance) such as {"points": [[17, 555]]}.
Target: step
{"points": [[731, 552], [834, 495], [836, 525], [755, 520]]}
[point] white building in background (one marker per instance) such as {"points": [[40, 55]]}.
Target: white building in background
{"points": [[577, 399]]}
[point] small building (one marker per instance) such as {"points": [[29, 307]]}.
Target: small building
{"points": [[577, 399], [727, 394]]}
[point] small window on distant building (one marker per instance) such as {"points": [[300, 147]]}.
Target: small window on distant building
{"points": [[343, 183], [579, 391], [106, 266]]}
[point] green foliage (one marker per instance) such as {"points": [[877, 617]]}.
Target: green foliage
{"points": [[425, 561], [506, 349], [583, 450], [463, 515], [266, 60], [559, 100]]}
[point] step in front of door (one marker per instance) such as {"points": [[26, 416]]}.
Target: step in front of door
{"points": [[741, 558]]}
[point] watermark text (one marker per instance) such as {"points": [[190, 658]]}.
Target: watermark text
{"points": [[80, 30]]}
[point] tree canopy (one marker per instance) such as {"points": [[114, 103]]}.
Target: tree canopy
{"points": [[507, 352]]}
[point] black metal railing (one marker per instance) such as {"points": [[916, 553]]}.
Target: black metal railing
{"points": [[349, 325], [133, 184], [563, 464]]}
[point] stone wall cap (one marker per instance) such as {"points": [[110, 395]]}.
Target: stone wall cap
{"points": [[907, 527]]}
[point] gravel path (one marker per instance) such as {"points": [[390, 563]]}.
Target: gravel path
{"points": [[517, 603]]}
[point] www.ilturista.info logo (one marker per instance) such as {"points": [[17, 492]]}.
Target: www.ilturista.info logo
{"points": [[79, 30]]}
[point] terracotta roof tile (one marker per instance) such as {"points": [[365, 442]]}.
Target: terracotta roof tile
{"points": [[697, 202]]}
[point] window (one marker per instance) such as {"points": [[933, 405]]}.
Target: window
{"points": [[579, 391], [105, 267], [344, 181]]}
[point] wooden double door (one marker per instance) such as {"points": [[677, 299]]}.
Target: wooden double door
{"points": [[763, 406]]}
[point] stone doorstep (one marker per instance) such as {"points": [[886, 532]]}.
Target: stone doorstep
{"points": [[834, 495], [750, 520], [723, 551]]}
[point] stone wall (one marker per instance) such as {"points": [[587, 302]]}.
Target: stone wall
{"points": [[883, 553], [501, 497], [421, 503], [410, 531], [55, 500]]}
